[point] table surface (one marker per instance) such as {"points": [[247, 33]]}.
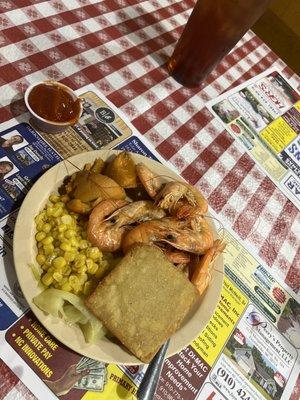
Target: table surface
{"points": [[122, 46]]}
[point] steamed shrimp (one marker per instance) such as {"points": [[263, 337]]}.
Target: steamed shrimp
{"points": [[176, 233], [181, 199], [110, 220], [96, 229], [151, 182], [201, 276]]}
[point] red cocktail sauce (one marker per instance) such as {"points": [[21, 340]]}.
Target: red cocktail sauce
{"points": [[54, 103]]}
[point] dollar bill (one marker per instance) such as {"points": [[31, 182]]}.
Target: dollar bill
{"points": [[92, 382], [87, 363], [82, 362], [96, 377]]}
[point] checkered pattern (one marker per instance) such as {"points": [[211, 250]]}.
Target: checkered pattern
{"points": [[11, 388], [122, 47]]}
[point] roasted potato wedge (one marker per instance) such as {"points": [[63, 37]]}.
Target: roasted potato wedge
{"points": [[122, 170], [89, 186]]}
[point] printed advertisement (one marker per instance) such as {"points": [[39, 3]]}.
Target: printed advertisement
{"points": [[12, 301], [258, 352], [264, 115], [24, 157], [249, 350]]}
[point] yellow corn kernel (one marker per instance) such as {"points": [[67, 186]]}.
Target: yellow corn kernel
{"points": [[56, 221], [47, 279], [49, 211], [82, 278], [48, 248], [92, 268], [67, 219], [66, 287], [39, 218], [89, 262], [55, 234], [60, 236], [83, 244], [42, 214], [67, 271], [54, 198], [70, 233], [57, 212], [57, 276], [65, 246], [80, 267], [51, 222], [59, 263], [93, 253], [62, 227], [47, 240], [69, 256], [46, 227], [74, 242], [78, 264], [80, 257], [40, 258], [40, 236], [73, 280], [39, 226]]}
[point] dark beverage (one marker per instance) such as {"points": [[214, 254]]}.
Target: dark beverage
{"points": [[213, 28]]}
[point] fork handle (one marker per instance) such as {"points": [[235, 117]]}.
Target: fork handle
{"points": [[149, 383]]}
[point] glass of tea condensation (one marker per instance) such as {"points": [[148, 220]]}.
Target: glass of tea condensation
{"points": [[213, 28]]}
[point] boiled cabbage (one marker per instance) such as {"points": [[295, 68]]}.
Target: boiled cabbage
{"points": [[71, 308]]}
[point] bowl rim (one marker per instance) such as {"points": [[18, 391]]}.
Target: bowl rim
{"points": [[47, 121]]}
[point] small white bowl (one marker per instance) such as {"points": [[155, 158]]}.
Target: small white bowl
{"points": [[44, 124]]}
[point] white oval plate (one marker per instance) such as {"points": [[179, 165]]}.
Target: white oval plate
{"points": [[25, 252]]}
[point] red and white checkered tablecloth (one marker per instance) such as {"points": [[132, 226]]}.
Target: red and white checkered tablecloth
{"points": [[121, 46]]}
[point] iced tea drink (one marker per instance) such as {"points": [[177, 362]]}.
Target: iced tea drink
{"points": [[213, 28]]}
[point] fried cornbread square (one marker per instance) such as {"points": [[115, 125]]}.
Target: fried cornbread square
{"points": [[143, 301]]}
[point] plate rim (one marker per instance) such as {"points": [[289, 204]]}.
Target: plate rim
{"points": [[18, 268]]}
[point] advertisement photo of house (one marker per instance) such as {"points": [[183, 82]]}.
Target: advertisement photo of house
{"points": [[254, 366], [244, 358]]}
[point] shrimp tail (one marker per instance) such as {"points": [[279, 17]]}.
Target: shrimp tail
{"points": [[150, 182], [201, 276], [178, 257]]}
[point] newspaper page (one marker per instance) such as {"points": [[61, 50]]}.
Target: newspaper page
{"points": [[264, 115], [249, 349], [98, 127]]}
